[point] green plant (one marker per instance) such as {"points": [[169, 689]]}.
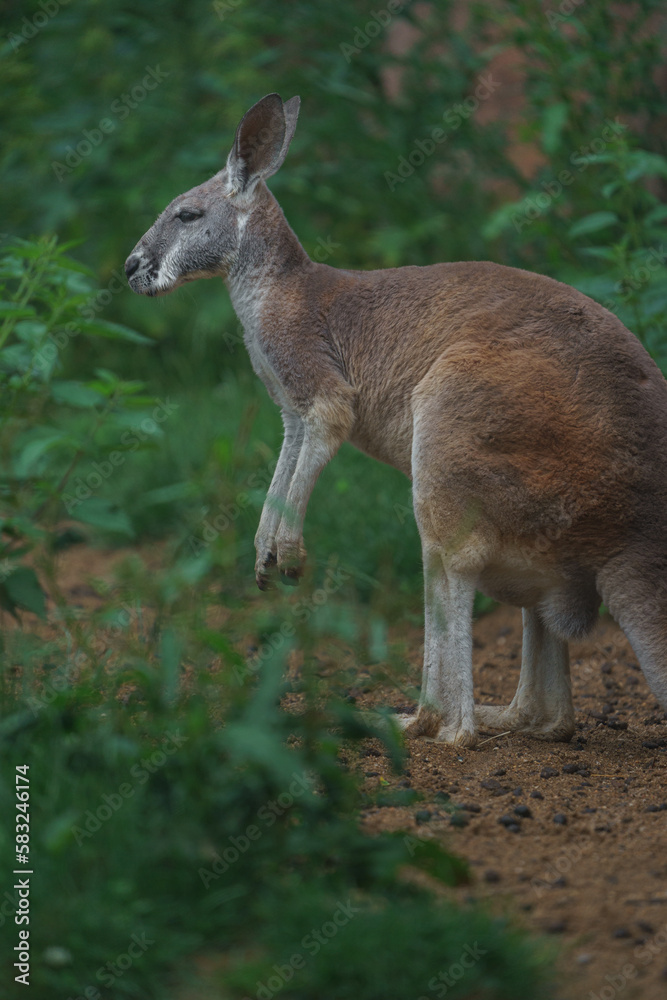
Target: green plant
{"points": [[51, 424], [220, 847]]}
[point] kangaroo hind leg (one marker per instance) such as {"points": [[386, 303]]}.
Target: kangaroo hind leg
{"points": [[542, 705]]}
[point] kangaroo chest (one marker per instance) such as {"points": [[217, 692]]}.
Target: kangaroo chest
{"points": [[248, 304]]}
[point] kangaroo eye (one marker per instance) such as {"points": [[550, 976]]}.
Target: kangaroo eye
{"points": [[188, 216]]}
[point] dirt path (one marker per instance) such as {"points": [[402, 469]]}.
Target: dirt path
{"points": [[583, 856]]}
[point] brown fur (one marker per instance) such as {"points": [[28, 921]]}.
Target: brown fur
{"points": [[532, 422]]}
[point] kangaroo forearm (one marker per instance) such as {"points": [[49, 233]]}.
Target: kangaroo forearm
{"points": [[275, 503]]}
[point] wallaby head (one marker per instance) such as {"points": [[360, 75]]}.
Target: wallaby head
{"points": [[200, 234]]}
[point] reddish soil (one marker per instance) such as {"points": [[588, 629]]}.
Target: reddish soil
{"points": [[588, 863]]}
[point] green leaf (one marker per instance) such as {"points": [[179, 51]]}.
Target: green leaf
{"points": [[12, 309], [23, 591], [75, 394], [103, 514], [58, 832], [553, 123], [429, 856], [41, 440], [113, 331], [600, 253], [656, 215], [30, 330], [592, 223], [645, 164], [169, 494]]}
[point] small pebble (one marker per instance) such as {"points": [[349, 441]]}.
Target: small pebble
{"points": [[548, 772], [499, 773], [622, 932], [492, 785], [471, 807], [656, 809], [518, 791], [491, 876], [559, 883], [536, 795], [458, 820], [422, 816], [523, 811], [557, 927], [646, 927], [510, 823], [584, 958], [560, 819]]}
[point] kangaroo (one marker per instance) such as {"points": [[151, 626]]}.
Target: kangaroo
{"points": [[532, 424]]}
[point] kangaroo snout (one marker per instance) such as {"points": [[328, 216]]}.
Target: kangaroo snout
{"points": [[141, 272], [132, 264]]}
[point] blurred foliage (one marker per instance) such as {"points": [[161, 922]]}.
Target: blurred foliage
{"points": [[50, 425], [550, 156], [363, 108], [220, 850], [552, 159]]}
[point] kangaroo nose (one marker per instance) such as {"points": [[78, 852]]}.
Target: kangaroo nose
{"points": [[131, 264]]}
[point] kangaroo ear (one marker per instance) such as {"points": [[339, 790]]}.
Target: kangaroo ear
{"points": [[291, 112], [262, 140]]}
